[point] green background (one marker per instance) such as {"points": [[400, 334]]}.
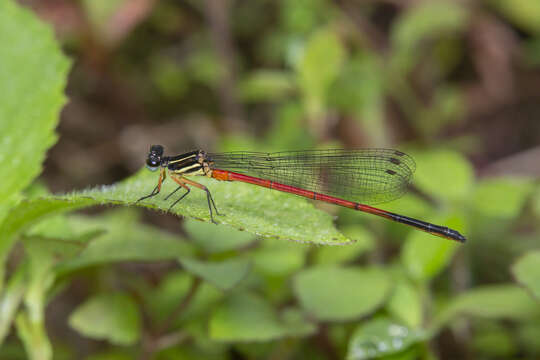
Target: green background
{"points": [[88, 85]]}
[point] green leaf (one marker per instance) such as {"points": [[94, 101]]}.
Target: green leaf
{"points": [[501, 197], [112, 354], [42, 255], [266, 85], [247, 207], [279, 258], [11, 298], [425, 256], [359, 92], [536, 202], [33, 75], [34, 337], [341, 294], [527, 272], [224, 275], [174, 287], [523, 13], [494, 341], [215, 239], [319, 67], [406, 305], [28, 213], [381, 337], [126, 239], [444, 174], [110, 316], [248, 317], [492, 302], [341, 254], [425, 21], [528, 335]]}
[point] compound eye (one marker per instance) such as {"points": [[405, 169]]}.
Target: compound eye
{"points": [[152, 164]]}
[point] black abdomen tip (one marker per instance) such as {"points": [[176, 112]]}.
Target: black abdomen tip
{"points": [[456, 235]]}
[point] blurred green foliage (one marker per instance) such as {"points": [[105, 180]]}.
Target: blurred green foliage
{"points": [[306, 74]]}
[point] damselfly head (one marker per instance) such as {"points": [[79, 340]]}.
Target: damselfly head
{"points": [[154, 157]]}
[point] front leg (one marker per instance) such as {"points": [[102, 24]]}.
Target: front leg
{"points": [[157, 189]]}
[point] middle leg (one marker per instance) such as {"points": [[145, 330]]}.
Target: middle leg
{"points": [[182, 181]]}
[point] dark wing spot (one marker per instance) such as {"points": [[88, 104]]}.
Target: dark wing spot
{"points": [[394, 161], [399, 153], [391, 172]]}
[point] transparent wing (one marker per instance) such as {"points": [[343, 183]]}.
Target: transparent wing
{"points": [[366, 175]]}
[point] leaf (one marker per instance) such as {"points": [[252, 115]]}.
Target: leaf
{"points": [[110, 316], [266, 85], [112, 354], [248, 317], [174, 287], [536, 202], [381, 337], [33, 75], [528, 337], [34, 337], [279, 258], [406, 305], [339, 293], [425, 256], [359, 92], [318, 68], [341, 254], [28, 213], [523, 13], [492, 302], [494, 341], [215, 239], [126, 239], [423, 22], [42, 256], [11, 298], [444, 174], [247, 207], [527, 272], [224, 275], [501, 197]]}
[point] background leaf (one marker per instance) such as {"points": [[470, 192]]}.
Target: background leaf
{"points": [[223, 275], [524, 13], [381, 337], [215, 239], [501, 197], [125, 239], [527, 272], [444, 174], [111, 316], [326, 292], [425, 256], [491, 302], [318, 68], [247, 317], [406, 305]]}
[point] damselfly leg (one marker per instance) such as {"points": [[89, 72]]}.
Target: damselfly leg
{"points": [[157, 189], [183, 182]]}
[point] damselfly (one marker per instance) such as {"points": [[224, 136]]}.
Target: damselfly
{"points": [[363, 176]]}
